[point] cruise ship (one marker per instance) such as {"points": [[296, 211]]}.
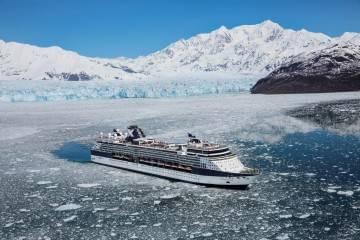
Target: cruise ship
{"points": [[197, 161]]}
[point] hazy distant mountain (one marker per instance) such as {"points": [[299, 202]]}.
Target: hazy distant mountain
{"points": [[247, 49], [331, 69]]}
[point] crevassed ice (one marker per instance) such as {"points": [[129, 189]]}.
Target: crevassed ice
{"points": [[34, 91]]}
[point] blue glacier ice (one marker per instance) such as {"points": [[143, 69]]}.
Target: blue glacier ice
{"points": [[35, 91]]}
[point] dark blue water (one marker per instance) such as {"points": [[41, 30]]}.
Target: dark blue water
{"points": [[74, 151], [321, 152]]}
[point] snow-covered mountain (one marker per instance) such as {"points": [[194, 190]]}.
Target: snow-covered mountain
{"points": [[244, 50], [331, 69]]}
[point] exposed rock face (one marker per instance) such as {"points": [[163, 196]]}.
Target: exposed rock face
{"points": [[82, 76], [332, 69]]}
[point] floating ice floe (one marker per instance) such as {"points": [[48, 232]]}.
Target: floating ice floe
{"points": [[283, 236], [306, 215], [330, 190], [345, 193], [51, 187], [310, 174], [157, 224], [157, 202], [207, 234], [88, 185], [98, 209], [285, 216], [43, 182], [170, 196], [70, 219], [86, 199], [284, 174], [112, 209], [67, 207], [24, 210], [9, 225]]}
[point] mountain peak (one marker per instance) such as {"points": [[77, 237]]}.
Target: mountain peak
{"points": [[350, 37], [220, 30], [269, 24]]}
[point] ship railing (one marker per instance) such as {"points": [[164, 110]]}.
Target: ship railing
{"points": [[205, 147], [109, 140]]}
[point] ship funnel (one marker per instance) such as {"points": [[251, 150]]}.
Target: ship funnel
{"points": [[135, 132]]}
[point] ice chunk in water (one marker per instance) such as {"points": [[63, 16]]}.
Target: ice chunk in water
{"points": [[43, 182], [67, 207], [70, 219], [345, 193], [88, 185]]}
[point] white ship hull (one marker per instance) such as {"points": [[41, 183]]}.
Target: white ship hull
{"points": [[216, 181]]}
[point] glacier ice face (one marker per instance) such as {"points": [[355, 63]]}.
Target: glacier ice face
{"points": [[172, 86]]}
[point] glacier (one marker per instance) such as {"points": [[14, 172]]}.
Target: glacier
{"points": [[173, 86]]}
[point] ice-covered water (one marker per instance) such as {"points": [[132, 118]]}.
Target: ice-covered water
{"points": [[309, 187]]}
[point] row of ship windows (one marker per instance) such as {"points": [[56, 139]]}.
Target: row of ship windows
{"points": [[208, 166], [141, 154], [222, 164], [172, 172]]}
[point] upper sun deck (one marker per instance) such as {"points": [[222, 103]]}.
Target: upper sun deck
{"points": [[207, 146], [203, 147], [136, 137], [144, 142]]}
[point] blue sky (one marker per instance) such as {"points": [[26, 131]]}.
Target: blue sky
{"points": [[111, 28]]}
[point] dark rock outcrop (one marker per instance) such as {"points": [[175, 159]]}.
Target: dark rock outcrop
{"points": [[82, 76], [333, 69]]}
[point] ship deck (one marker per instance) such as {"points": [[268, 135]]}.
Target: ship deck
{"points": [[165, 145]]}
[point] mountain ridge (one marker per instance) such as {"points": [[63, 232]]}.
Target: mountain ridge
{"points": [[247, 49], [331, 69]]}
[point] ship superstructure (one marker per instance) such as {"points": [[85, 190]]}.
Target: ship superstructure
{"points": [[196, 161]]}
